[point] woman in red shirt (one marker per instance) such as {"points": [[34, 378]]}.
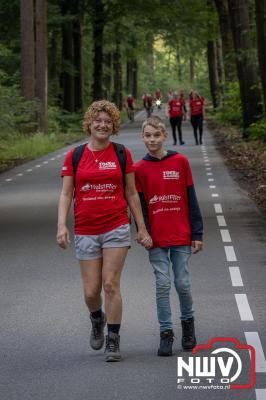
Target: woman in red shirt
{"points": [[176, 112], [197, 114], [102, 232]]}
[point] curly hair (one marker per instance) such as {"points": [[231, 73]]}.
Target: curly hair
{"points": [[155, 122], [101, 106]]}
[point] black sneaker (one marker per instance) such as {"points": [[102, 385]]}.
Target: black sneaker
{"points": [[188, 338], [166, 343], [112, 350], [97, 335], [181, 143]]}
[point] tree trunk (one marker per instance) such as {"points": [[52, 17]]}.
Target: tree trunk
{"points": [[107, 77], [191, 69], [129, 83], [41, 63], [78, 79], [67, 75], [178, 64], [261, 38], [135, 79], [150, 58], [27, 49], [247, 76], [118, 97], [220, 66], [213, 72], [227, 42], [98, 26]]}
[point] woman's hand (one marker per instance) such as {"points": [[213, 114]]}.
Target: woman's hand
{"points": [[144, 238], [62, 236]]}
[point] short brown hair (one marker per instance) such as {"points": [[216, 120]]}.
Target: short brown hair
{"points": [[155, 122], [101, 106]]}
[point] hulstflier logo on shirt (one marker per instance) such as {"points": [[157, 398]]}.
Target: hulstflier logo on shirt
{"points": [[171, 175], [167, 198], [107, 165], [104, 187]]}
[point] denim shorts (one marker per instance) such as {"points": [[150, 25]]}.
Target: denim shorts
{"points": [[89, 247]]}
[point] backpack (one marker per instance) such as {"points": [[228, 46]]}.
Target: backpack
{"points": [[120, 152]]}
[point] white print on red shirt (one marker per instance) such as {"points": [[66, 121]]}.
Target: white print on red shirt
{"points": [[171, 175], [175, 209], [107, 165], [105, 187], [169, 198]]}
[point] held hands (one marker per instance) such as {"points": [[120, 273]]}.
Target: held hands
{"points": [[62, 237], [144, 239], [197, 246]]}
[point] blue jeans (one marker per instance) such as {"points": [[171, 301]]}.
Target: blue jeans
{"points": [[160, 259]]}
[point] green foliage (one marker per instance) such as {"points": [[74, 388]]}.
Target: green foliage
{"points": [[16, 114], [230, 111], [258, 130]]}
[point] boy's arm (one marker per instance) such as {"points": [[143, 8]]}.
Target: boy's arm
{"points": [[195, 217]]}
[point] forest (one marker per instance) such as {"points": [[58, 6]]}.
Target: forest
{"points": [[57, 56]]}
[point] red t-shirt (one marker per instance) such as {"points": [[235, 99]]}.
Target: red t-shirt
{"points": [[196, 106], [100, 205], [158, 94], [175, 108], [164, 185], [130, 101]]}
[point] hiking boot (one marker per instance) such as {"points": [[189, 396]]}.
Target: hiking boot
{"points": [[188, 337], [112, 350], [166, 343], [97, 336]]}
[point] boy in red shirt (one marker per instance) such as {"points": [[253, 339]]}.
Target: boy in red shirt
{"points": [[172, 216]]}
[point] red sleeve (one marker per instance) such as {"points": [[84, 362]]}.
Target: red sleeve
{"points": [[188, 173], [137, 180], [67, 169], [129, 166]]}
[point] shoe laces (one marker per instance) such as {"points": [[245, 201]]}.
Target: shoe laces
{"points": [[111, 344], [167, 337]]}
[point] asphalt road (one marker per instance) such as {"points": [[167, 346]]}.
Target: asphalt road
{"points": [[44, 325]]}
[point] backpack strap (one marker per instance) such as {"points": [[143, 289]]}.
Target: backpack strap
{"points": [[120, 152], [76, 157]]}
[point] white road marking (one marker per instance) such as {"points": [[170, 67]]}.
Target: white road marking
{"points": [[209, 173], [45, 162], [253, 339], [208, 168], [29, 170], [243, 307], [9, 180], [260, 394], [221, 220], [225, 235], [207, 164], [236, 276], [20, 174], [218, 208], [215, 195], [38, 166], [52, 159], [210, 180], [230, 253], [212, 187]]}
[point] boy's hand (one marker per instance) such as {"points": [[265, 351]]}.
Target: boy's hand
{"points": [[197, 246], [62, 237], [144, 238]]}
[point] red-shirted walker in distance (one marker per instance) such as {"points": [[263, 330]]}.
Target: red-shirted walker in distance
{"points": [[102, 232]]}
